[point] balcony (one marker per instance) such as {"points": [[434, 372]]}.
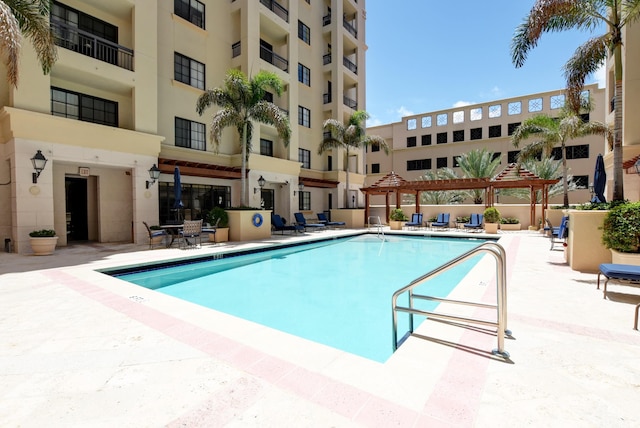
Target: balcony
{"points": [[326, 59], [326, 20], [236, 49], [350, 65], [276, 8], [326, 98], [273, 58], [349, 102], [350, 28], [85, 43]]}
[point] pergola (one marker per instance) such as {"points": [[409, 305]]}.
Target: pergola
{"points": [[510, 178]]}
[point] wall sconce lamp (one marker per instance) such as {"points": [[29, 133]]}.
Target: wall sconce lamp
{"points": [[154, 174], [637, 166], [300, 188], [261, 183], [38, 161], [591, 189]]}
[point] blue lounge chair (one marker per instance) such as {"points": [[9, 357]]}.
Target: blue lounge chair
{"points": [[559, 235], [301, 221], [442, 221], [322, 218], [416, 221], [475, 222], [280, 226], [630, 274]]}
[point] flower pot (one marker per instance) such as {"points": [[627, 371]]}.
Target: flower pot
{"points": [[221, 235], [396, 225], [618, 257], [43, 246], [491, 227], [510, 226]]}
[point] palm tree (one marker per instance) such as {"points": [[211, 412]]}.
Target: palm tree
{"points": [[478, 163], [242, 101], [550, 132], [28, 18], [547, 169], [437, 197], [559, 15], [349, 136]]}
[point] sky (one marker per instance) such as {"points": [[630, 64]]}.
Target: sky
{"points": [[426, 55]]}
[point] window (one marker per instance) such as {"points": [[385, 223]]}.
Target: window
{"points": [[86, 108], [535, 104], [419, 164], [375, 147], [511, 128], [304, 116], [458, 116], [411, 141], [191, 10], [573, 152], [515, 108], [266, 147], [189, 134], [455, 161], [495, 131], [512, 156], [426, 140], [495, 111], [197, 199], [441, 138], [496, 155], [581, 181], [442, 119], [584, 117], [458, 135], [304, 201], [304, 157], [557, 101], [475, 113], [304, 75], [476, 133], [426, 121], [189, 71], [375, 168], [411, 124], [441, 162], [304, 33]]}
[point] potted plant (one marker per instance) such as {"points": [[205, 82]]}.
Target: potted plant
{"points": [[621, 233], [43, 241], [491, 220], [509, 223], [220, 218], [397, 218]]}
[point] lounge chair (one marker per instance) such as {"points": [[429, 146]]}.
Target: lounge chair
{"points": [[416, 221], [154, 234], [322, 218], [559, 235], [628, 274], [211, 230], [301, 221], [475, 222], [442, 221], [191, 229], [279, 225]]}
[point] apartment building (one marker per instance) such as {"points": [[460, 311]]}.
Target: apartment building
{"points": [[433, 140], [121, 98]]}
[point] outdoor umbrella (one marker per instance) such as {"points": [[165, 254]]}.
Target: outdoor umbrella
{"points": [[177, 193], [599, 181]]}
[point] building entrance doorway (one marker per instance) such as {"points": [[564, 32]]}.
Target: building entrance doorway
{"points": [[76, 199]]}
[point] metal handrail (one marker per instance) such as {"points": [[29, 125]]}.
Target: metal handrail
{"points": [[499, 254], [378, 225]]}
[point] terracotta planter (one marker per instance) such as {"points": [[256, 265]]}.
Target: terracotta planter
{"points": [[625, 258], [396, 225], [221, 235], [491, 227], [43, 246]]}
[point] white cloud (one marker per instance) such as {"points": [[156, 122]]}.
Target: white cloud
{"points": [[462, 104], [403, 111], [373, 121]]}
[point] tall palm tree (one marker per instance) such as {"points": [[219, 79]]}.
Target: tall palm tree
{"points": [[242, 102], [349, 136], [550, 132], [547, 169], [559, 15], [478, 163], [28, 18]]}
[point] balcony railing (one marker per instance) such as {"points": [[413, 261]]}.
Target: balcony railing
{"points": [[326, 98], [326, 20], [276, 8], [85, 43], [349, 102], [326, 59], [273, 58], [350, 28], [236, 49], [350, 65]]}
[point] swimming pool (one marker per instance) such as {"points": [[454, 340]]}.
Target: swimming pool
{"points": [[336, 292]]}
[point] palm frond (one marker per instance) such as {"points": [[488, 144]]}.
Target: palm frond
{"points": [[586, 60]]}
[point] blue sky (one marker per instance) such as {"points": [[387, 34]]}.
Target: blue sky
{"points": [[426, 55]]}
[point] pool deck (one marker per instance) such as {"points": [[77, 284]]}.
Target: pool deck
{"points": [[79, 348]]}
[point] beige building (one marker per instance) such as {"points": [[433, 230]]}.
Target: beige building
{"points": [[433, 140], [121, 98]]}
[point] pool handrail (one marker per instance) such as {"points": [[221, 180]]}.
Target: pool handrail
{"points": [[499, 254], [378, 225]]}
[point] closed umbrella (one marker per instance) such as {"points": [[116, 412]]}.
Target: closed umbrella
{"points": [[599, 181], [177, 193]]}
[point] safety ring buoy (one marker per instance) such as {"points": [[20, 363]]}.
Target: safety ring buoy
{"points": [[257, 220]]}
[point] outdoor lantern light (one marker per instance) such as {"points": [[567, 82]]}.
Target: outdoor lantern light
{"points": [[261, 183], [39, 161], [637, 165], [591, 188], [300, 188], [154, 173]]}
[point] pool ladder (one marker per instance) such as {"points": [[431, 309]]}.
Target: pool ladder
{"points": [[499, 254], [377, 224]]}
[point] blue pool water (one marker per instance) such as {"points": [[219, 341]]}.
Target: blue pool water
{"points": [[334, 292]]}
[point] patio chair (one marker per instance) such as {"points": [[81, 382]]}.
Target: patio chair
{"points": [[442, 221], [211, 230], [416, 221], [301, 221], [279, 225], [559, 235], [154, 234], [475, 222], [191, 229], [322, 218]]}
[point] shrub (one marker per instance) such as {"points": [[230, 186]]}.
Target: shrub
{"points": [[491, 215], [621, 228], [43, 233], [463, 219], [398, 215], [218, 215], [509, 220]]}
